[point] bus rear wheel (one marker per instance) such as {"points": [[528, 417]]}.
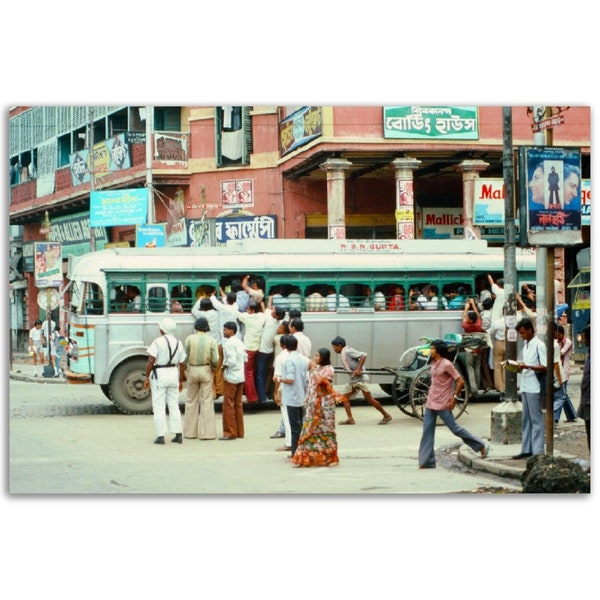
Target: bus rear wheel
{"points": [[126, 388]]}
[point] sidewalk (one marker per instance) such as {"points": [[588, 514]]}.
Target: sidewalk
{"points": [[22, 370]]}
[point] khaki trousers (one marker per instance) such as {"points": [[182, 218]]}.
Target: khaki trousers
{"points": [[499, 354], [199, 418]]}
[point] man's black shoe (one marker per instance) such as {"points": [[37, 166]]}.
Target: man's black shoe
{"points": [[225, 438], [160, 440], [522, 455], [178, 439]]}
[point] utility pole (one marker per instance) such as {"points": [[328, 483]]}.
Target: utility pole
{"points": [[549, 337], [149, 145], [510, 262], [545, 298], [92, 173], [506, 417]]}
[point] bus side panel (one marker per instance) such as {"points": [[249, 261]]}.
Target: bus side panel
{"points": [[128, 336], [85, 337], [388, 333]]}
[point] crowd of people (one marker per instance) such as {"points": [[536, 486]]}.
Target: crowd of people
{"points": [[257, 354], [252, 347], [245, 347]]}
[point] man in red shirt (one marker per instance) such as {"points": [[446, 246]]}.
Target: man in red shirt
{"points": [[440, 402]]}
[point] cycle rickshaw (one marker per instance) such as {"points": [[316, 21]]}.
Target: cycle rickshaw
{"points": [[412, 378]]}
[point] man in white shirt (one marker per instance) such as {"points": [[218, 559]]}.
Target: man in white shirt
{"points": [[254, 321], [499, 298], [234, 357], [36, 347], [165, 373], [296, 326], [266, 350], [533, 361]]}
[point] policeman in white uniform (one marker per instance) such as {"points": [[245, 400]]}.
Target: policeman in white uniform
{"points": [[164, 378]]}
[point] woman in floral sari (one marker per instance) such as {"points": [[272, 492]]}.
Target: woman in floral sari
{"points": [[317, 446]]}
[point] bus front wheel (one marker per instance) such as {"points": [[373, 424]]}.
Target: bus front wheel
{"points": [[126, 388]]}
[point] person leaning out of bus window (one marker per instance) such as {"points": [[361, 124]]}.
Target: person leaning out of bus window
{"points": [[252, 287], [135, 299]]}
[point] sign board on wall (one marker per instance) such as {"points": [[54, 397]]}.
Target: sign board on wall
{"points": [[586, 202], [437, 122], [239, 228], [119, 207], [150, 236], [73, 233], [489, 202]]}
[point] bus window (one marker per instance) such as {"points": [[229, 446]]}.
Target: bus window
{"points": [[204, 291], [93, 299], [294, 298], [277, 297], [314, 298], [356, 294], [457, 294], [118, 299], [379, 298], [396, 299], [336, 301], [157, 298], [135, 298], [183, 294]]}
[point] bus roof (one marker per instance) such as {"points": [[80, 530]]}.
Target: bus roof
{"points": [[255, 256]]}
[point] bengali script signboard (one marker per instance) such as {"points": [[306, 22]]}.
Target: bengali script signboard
{"points": [[437, 122]]}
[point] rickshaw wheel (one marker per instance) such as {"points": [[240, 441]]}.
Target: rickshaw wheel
{"points": [[401, 397], [420, 388]]}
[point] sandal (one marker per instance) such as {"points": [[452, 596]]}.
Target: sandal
{"points": [[348, 422], [385, 420]]}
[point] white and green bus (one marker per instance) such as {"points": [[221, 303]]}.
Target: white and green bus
{"points": [[364, 291]]}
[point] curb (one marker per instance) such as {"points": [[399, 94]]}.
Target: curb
{"points": [[466, 456], [489, 465], [29, 379]]}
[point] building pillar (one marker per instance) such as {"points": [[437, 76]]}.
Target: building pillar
{"points": [[336, 196], [470, 172], [405, 197]]}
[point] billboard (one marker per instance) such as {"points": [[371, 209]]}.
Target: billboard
{"points": [[119, 207], [48, 264], [550, 198]]}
